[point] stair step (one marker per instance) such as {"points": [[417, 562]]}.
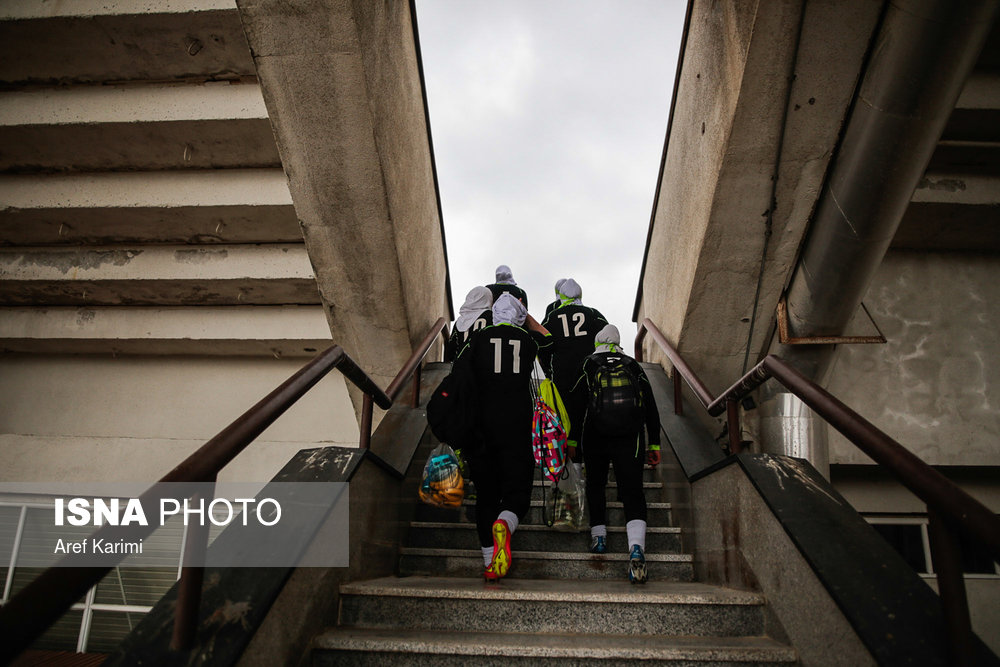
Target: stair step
{"points": [[651, 489], [658, 514], [354, 646], [543, 564], [556, 606], [452, 535]]}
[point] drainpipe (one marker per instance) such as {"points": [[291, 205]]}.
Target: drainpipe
{"points": [[918, 65]]}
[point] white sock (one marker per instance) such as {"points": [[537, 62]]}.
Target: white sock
{"points": [[511, 520], [636, 531], [487, 555], [599, 531]]}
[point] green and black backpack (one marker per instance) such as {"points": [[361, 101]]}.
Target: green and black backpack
{"points": [[615, 404]]}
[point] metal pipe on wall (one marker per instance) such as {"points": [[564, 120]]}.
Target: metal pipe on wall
{"points": [[919, 62]]}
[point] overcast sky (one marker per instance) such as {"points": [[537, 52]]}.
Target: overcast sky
{"points": [[548, 119]]}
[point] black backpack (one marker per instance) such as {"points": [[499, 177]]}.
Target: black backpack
{"points": [[615, 404], [449, 409]]}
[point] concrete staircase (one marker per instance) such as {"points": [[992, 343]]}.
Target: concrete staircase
{"points": [[559, 603]]}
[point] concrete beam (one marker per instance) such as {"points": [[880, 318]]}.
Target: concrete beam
{"points": [[952, 211], [85, 128], [344, 94], [277, 274], [90, 41], [223, 206], [271, 331], [741, 120]]}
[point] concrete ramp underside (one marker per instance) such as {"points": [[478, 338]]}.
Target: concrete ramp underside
{"points": [[343, 90]]}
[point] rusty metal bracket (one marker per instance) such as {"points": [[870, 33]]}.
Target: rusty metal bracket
{"points": [[785, 339]]}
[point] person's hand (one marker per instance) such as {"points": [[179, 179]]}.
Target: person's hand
{"points": [[653, 457]]}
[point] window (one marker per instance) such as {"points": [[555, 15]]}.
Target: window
{"points": [[110, 610], [908, 534]]}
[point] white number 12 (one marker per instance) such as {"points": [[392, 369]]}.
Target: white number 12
{"points": [[578, 329]]}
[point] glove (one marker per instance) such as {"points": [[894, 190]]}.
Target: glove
{"points": [[653, 457]]}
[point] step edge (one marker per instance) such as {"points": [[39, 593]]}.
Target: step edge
{"points": [[544, 555], [534, 527], [531, 645], [682, 593]]}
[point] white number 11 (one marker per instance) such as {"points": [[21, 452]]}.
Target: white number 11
{"points": [[498, 350]]}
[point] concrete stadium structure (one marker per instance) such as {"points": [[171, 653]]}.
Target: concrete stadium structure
{"points": [[198, 196]]}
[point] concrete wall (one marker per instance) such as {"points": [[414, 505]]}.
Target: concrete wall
{"points": [[747, 152], [740, 543], [934, 385], [345, 99], [132, 418]]}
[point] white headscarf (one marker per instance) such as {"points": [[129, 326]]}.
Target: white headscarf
{"points": [[608, 339], [570, 293], [504, 275], [478, 300], [559, 283], [508, 309]]}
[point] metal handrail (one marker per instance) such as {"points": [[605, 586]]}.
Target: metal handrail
{"points": [[45, 599], [947, 504], [411, 367]]}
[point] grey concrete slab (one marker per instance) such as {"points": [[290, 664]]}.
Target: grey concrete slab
{"points": [[270, 274], [123, 42], [539, 538], [580, 606], [543, 565], [401, 647]]}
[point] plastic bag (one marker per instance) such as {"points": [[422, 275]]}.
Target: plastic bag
{"points": [[442, 484], [564, 510]]}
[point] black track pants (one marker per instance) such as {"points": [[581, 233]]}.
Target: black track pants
{"points": [[599, 453], [504, 475]]}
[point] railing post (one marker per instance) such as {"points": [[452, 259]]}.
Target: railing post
{"points": [[415, 401], [640, 335], [678, 395], [367, 407], [946, 554], [190, 583], [733, 419]]}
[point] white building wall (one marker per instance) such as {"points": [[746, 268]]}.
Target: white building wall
{"points": [[133, 418]]}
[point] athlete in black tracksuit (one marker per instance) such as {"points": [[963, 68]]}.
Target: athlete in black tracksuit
{"points": [[558, 302], [573, 328], [475, 313], [501, 357], [625, 448], [505, 284]]}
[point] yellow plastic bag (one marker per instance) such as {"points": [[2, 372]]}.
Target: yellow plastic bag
{"points": [[547, 392]]}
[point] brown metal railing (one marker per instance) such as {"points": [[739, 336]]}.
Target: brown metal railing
{"points": [[40, 604], [948, 506], [410, 368]]}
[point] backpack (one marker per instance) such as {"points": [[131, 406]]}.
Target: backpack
{"points": [[615, 403], [449, 409], [548, 431]]}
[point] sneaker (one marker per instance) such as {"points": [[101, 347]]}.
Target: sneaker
{"points": [[598, 545], [501, 549], [636, 565], [489, 574]]}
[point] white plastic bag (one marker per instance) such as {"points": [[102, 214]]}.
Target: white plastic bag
{"points": [[564, 507]]}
